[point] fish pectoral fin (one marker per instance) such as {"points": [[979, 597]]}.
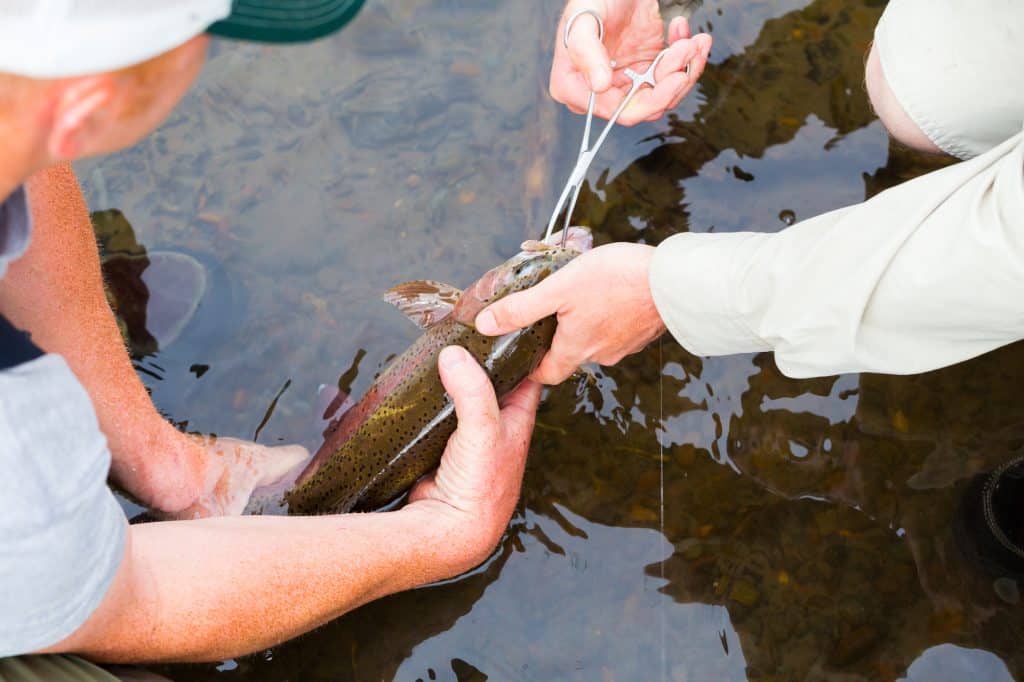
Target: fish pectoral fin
{"points": [[424, 301]]}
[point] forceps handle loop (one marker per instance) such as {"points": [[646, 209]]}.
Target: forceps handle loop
{"points": [[587, 152], [565, 41], [573, 187], [577, 15]]}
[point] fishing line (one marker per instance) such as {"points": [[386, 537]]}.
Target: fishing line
{"points": [[661, 493]]}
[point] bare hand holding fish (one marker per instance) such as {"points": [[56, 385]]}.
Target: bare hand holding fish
{"points": [[602, 301], [477, 484], [399, 429]]}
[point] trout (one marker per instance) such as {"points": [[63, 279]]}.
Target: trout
{"points": [[399, 429]]}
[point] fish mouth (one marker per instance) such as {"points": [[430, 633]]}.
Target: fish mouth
{"points": [[579, 239], [526, 269]]}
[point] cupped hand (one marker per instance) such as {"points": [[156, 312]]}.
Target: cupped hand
{"points": [[604, 307], [476, 487], [233, 469], [634, 35]]}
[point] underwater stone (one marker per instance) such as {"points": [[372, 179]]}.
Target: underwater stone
{"points": [[1007, 590], [744, 593]]}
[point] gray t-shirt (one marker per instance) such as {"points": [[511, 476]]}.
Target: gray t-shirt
{"points": [[62, 533], [15, 226]]}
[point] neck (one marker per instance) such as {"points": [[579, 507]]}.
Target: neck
{"points": [[8, 185], [22, 141], [16, 167]]}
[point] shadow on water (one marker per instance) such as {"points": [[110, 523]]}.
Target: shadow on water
{"points": [[806, 530]]}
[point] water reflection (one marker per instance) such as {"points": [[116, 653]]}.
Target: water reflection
{"points": [[682, 517], [949, 662]]}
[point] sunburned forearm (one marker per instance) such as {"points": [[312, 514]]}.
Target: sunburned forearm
{"points": [[55, 291], [215, 588]]}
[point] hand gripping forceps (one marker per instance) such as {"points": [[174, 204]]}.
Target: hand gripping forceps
{"points": [[572, 188]]}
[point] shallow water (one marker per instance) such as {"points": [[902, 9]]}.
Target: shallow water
{"points": [[805, 531]]}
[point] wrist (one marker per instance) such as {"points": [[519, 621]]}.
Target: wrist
{"points": [[458, 541], [160, 466], [645, 259], [648, 307]]}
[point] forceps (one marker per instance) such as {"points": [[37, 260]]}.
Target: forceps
{"points": [[572, 188]]}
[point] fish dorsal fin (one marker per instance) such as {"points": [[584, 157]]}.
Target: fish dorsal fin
{"points": [[423, 301]]}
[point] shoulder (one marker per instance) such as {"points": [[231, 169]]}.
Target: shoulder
{"points": [[967, 100], [15, 227], [62, 533], [52, 451]]}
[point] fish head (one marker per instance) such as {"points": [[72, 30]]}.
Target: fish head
{"points": [[536, 261]]}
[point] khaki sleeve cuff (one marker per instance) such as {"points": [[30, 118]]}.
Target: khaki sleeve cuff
{"points": [[693, 279]]}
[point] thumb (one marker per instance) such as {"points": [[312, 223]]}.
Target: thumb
{"points": [[476, 405], [589, 54], [518, 310]]}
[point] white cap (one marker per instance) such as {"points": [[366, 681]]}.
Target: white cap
{"points": [[65, 38]]}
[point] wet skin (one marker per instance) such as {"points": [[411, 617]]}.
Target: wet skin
{"points": [[399, 429]]}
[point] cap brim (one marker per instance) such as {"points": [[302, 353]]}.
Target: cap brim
{"points": [[285, 21]]}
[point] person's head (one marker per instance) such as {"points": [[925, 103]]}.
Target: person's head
{"points": [[69, 118], [85, 77]]}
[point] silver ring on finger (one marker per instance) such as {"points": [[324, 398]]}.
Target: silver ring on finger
{"points": [[577, 15]]}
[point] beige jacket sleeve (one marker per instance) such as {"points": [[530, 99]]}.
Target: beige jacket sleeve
{"points": [[922, 276]]}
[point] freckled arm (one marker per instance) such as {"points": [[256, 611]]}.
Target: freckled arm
{"points": [[213, 588], [55, 291], [217, 588]]}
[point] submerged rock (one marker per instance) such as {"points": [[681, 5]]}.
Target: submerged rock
{"points": [[154, 295]]}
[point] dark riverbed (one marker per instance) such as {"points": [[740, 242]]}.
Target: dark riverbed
{"points": [[806, 526]]}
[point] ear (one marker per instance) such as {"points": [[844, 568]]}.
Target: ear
{"points": [[81, 116]]}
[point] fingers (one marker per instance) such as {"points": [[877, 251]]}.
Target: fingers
{"points": [[678, 29], [521, 309], [483, 463], [557, 366], [279, 462], [676, 74], [567, 85], [518, 412], [582, 66], [589, 55], [520, 405], [677, 58], [475, 403], [650, 105]]}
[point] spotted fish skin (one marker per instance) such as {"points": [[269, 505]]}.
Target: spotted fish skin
{"points": [[399, 429]]}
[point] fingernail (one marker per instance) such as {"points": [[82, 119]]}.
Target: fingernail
{"points": [[486, 323], [452, 356]]}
